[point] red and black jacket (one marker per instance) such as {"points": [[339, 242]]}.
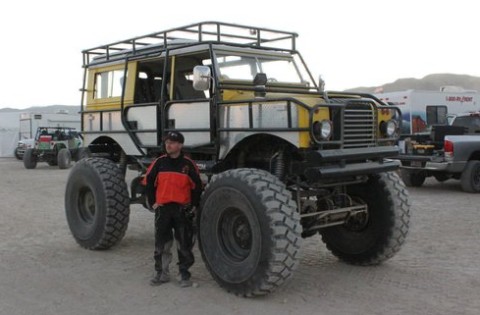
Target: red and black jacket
{"points": [[171, 180]]}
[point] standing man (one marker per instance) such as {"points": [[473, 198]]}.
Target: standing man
{"points": [[173, 187]]}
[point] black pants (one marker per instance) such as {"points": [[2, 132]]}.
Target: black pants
{"points": [[168, 217]]}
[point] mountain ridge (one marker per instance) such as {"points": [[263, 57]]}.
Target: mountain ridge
{"points": [[431, 82], [47, 109]]}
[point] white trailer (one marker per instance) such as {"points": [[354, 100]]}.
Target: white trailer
{"points": [[420, 108], [29, 122]]}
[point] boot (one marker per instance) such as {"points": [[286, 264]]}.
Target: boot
{"points": [[160, 278], [164, 275], [185, 280], [185, 283]]}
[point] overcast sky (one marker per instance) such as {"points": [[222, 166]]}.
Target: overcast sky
{"points": [[350, 43]]}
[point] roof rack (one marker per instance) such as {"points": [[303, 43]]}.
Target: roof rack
{"points": [[195, 33]]}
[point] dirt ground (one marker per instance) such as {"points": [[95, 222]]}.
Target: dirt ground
{"points": [[43, 270]]}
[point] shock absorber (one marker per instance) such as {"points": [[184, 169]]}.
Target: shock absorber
{"points": [[279, 166], [123, 163]]}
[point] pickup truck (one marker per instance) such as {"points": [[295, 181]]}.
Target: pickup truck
{"points": [[449, 151]]}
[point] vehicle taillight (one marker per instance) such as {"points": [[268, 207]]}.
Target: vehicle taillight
{"points": [[448, 148]]}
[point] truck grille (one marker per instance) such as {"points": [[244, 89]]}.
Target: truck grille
{"points": [[360, 125]]}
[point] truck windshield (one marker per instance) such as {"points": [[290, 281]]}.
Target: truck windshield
{"points": [[279, 69], [471, 122]]}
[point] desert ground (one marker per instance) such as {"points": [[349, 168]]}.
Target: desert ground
{"points": [[44, 271]]}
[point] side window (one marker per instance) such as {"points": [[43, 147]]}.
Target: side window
{"points": [[436, 115], [108, 84], [471, 122], [183, 86], [149, 82]]}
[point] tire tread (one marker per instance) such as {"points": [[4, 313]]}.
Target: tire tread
{"points": [[284, 224]]}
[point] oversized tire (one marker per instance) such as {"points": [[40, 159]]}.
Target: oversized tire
{"points": [[412, 178], [29, 159], [249, 231], [383, 231], [97, 203], [64, 158], [470, 179]]}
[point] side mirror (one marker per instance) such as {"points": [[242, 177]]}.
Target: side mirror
{"points": [[201, 78]]}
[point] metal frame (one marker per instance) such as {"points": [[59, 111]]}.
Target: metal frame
{"points": [[194, 33], [166, 43]]}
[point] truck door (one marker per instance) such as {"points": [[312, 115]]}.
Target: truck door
{"points": [[189, 111]]}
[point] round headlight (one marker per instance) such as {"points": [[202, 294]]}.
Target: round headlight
{"points": [[390, 128], [323, 129]]}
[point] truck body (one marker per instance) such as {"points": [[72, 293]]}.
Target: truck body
{"points": [[421, 108], [282, 158], [449, 151]]}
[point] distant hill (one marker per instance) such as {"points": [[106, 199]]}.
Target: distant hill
{"points": [[430, 82], [51, 109]]}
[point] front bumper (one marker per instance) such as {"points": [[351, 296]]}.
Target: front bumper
{"points": [[343, 163], [21, 151]]}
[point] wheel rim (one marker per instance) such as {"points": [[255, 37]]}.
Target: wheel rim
{"points": [[86, 205], [359, 221], [235, 234]]}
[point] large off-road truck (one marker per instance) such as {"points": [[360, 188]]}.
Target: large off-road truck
{"points": [[284, 159]]}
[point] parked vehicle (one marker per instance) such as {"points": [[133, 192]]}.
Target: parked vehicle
{"points": [[54, 145], [30, 122], [422, 109], [450, 151], [284, 158]]}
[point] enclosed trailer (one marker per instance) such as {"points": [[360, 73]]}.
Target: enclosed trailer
{"points": [[29, 122], [421, 108]]}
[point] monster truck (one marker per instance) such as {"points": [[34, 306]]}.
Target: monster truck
{"points": [[284, 159], [54, 145]]}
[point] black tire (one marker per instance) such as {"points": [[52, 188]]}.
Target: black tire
{"points": [[249, 231], [97, 203], [412, 178], [470, 179], [384, 231], [17, 155], [64, 158], [29, 159]]}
